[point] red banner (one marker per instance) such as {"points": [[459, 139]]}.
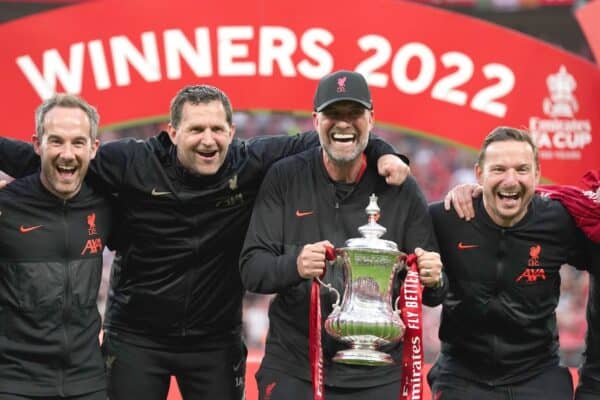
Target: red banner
{"points": [[431, 71]]}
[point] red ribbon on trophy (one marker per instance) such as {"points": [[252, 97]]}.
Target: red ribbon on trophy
{"points": [[314, 333], [411, 307]]}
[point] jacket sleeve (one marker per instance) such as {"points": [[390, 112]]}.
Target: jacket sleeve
{"points": [[17, 158], [377, 147], [267, 264], [269, 149], [113, 161], [420, 233]]}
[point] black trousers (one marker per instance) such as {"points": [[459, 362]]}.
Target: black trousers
{"points": [[588, 389], [143, 373], [100, 395], [276, 385], [554, 384]]}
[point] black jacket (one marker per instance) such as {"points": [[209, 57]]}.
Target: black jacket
{"points": [[179, 236], [298, 205], [591, 365], [498, 321], [50, 271]]}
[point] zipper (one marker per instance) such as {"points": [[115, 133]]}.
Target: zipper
{"points": [[188, 287], [66, 312], [497, 289]]}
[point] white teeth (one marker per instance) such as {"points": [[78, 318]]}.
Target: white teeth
{"points": [[342, 136], [65, 169], [510, 195]]}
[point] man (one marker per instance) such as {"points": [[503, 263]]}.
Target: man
{"points": [[314, 200], [498, 327], [589, 374], [52, 232], [184, 200], [584, 205]]}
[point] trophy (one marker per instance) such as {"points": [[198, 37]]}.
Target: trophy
{"points": [[367, 318]]}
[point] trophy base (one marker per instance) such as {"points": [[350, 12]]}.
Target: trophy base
{"points": [[372, 358]]}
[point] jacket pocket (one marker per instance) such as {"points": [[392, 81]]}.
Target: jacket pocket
{"points": [[39, 285]]}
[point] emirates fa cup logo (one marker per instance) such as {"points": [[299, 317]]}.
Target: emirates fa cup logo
{"points": [[561, 102]]}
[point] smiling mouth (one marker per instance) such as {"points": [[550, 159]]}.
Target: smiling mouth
{"points": [[207, 154], [509, 195], [66, 171], [343, 137]]}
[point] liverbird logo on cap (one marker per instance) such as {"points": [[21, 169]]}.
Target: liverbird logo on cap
{"points": [[341, 82], [561, 102]]}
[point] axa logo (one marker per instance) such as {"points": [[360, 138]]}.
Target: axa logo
{"points": [[91, 221], [92, 246], [341, 84], [533, 272]]}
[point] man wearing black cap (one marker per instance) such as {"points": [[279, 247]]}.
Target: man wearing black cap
{"points": [[314, 200]]}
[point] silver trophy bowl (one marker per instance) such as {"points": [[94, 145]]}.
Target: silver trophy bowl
{"points": [[367, 317]]}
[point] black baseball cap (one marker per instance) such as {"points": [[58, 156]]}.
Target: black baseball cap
{"points": [[342, 85]]}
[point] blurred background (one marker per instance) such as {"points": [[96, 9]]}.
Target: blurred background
{"points": [[437, 166]]}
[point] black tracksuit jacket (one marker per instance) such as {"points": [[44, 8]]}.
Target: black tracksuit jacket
{"points": [[178, 236], [498, 321], [297, 205], [50, 272], [590, 371]]}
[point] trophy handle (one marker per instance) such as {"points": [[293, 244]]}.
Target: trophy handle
{"points": [[336, 305], [330, 255]]}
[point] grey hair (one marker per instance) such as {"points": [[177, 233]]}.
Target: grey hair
{"points": [[67, 101]]}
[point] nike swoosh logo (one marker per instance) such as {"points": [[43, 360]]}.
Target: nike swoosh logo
{"points": [[462, 246], [157, 193], [24, 229], [303, 213]]}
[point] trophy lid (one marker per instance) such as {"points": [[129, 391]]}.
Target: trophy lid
{"points": [[372, 231]]}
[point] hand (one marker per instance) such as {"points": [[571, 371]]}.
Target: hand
{"points": [[3, 183], [430, 267], [311, 260], [393, 169], [461, 198]]}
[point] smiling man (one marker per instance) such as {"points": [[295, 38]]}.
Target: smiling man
{"points": [[317, 199], [53, 228], [498, 327]]}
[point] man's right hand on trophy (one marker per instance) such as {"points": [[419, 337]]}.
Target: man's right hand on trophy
{"points": [[311, 260], [430, 267], [461, 199]]}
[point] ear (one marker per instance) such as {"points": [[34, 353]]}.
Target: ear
{"points": [[36, 144], [478, 173], [538, 174], [95, 145], [315, 119], [232, 131], [172, 132], [371, 119]]}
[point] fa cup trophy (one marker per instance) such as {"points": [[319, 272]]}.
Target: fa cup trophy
{"points": [[368, 316]]}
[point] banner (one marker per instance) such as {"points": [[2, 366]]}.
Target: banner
{"points": [[430, 71]]}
